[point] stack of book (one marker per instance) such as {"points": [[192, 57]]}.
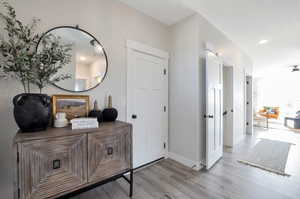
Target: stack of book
{"points": [[84, 123]]}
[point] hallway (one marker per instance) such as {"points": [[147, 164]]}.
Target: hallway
{"points": [[227, 179]]}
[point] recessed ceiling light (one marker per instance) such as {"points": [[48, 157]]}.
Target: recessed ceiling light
{"points": [[264, 41], [82, 58]]}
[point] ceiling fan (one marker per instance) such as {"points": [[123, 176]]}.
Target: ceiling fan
{"points": [[295, 68]]}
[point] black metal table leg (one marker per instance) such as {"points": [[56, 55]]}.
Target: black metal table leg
{"points": [[131, 183]]}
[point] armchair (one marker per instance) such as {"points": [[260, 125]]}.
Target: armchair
{"points": [[269, 113]]}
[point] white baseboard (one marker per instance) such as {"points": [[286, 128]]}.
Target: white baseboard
{"points": [[186, 162]]}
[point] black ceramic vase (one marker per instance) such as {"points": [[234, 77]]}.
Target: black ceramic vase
{"points": [[96, 113], [110, 114], [32, 111]]}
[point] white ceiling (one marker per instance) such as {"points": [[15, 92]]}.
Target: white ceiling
{"points": [[246, 22], [166, 11]]}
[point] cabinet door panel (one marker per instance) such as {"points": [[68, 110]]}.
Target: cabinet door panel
{"points": [[52, 166], [108, 154]]}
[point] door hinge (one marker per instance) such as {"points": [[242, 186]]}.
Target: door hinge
{"points": [[18, 157], [165, 71], [165, 145], [165, 109]]}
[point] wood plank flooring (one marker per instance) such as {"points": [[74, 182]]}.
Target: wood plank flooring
{"points": [[228, 179]]}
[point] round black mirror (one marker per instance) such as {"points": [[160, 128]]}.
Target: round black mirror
{"points": [[88, 66]]}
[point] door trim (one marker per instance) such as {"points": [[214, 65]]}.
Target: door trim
{"points": [[143, 48], [133, 46]]}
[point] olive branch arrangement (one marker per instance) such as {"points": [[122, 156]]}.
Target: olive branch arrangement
{"points": [[20, 58]]}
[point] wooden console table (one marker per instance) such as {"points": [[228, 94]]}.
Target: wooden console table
{"points": [[59, 163]]}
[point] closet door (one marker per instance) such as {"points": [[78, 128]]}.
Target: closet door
{"points": [[214, 109], [147, 105], [228, 106]]}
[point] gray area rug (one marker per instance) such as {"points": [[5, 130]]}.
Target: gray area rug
{"points": [[270, 155]]}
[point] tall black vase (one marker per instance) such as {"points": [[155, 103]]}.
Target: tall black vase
{"points": [[32, 111], [96, 113]]}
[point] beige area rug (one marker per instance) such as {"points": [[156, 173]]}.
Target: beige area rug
{"points": [[270, 155]]}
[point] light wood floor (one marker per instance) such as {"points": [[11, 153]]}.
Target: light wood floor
{"points": [[227, 180]]}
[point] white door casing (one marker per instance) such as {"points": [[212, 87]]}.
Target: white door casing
{"points": [[147, 102], [249, 105], [214, 109]]}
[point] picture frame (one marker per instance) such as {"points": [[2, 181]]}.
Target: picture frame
{"points": [[74, 106]]}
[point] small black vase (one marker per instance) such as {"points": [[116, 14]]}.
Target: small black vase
{"points": [[96, 113], [110, 114], [32, 111]]}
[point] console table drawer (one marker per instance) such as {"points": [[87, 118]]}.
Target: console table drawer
{"points": [[108, 154], [52, 166]]}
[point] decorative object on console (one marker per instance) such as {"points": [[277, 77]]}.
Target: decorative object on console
{"points": [[61, 120], [96, 112], [20, 60], [84, 123], [32, 112], [74, 106], [89, 61], [110, 114]]}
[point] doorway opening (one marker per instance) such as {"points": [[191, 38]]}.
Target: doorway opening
{"points": [[237, 103], [277, 102]]}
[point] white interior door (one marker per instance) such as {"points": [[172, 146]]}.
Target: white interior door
{"points": [[147, 98], [228, 129], [214, 109]]}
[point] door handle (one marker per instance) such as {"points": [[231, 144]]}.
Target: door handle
{"points": [[208, 116], [133, 116], [56, 164], [225, 113], [110, 151]]}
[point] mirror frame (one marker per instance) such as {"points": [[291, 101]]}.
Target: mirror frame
{"points": [[78, 29]]}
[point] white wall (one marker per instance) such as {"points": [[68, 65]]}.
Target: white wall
{"points": [[187, 129], [184, 91], [112, 23]]}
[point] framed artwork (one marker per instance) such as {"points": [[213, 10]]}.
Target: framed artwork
{"points": [[74, 106]]}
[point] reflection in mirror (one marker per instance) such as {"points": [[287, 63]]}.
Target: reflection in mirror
{"points": [[88, 64]]}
